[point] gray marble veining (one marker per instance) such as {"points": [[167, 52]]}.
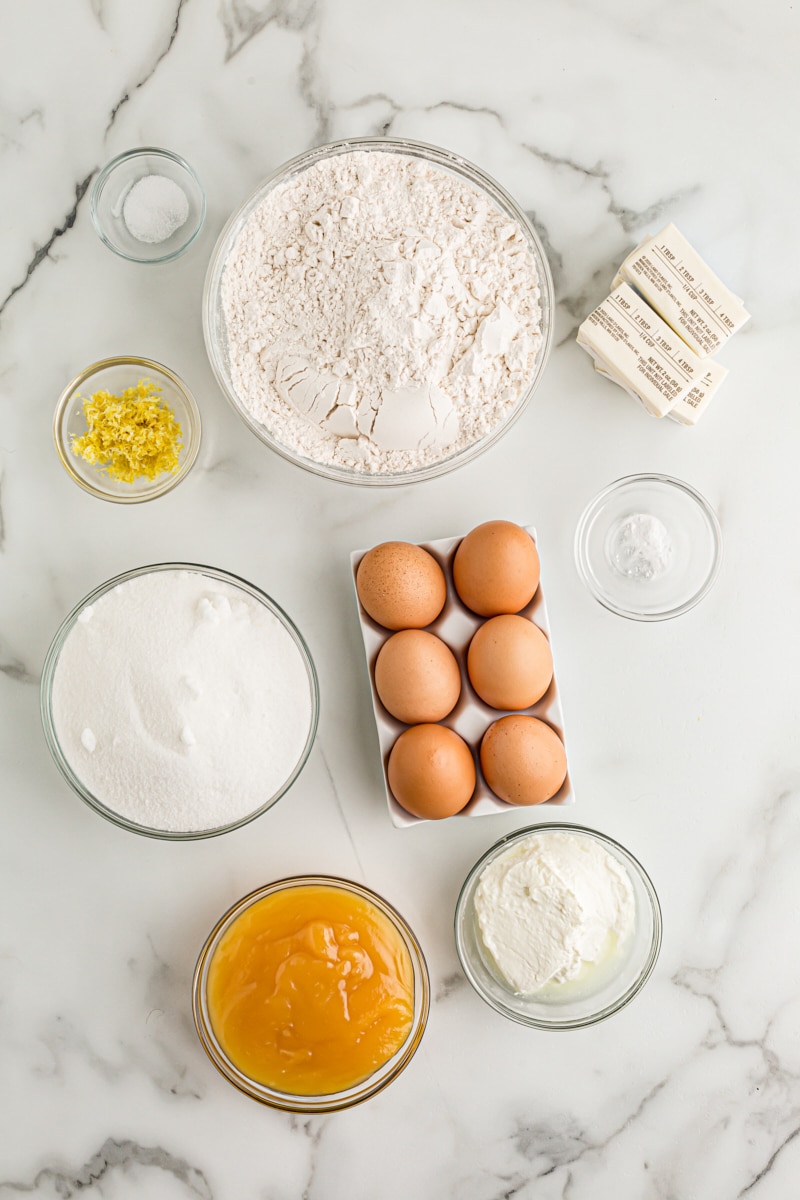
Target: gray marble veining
{"points": [[603, 122]]}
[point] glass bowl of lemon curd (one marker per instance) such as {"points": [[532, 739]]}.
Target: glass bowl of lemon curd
{"points": [[311, 994]]}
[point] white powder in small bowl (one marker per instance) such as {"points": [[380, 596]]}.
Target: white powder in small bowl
{"points": [[641, 547], [181, 702], [154, 208]]}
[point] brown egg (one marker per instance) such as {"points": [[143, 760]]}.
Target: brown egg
{"points": [[523, 760], [417, 677], [509, 662], [496, 568], [431, 772], [401, 586]]}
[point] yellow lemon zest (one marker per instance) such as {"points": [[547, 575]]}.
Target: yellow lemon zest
{"points": [[132, 435]]}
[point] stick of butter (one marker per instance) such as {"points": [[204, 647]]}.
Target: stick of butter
{"points": [[640, 352], [690, 409], [674, 280], [603, 369]]}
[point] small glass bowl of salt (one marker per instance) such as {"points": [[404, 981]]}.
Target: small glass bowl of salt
{"points": [[648, 547], [148, 205]]}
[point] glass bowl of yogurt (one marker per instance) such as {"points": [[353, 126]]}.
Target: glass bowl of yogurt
{"points": [[379, 311], [557, 926], [179, 701]]}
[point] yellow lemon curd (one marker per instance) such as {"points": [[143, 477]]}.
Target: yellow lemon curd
{"points": [[311, 990]]}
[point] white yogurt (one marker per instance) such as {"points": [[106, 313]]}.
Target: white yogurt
{"points": [[553, 910]]}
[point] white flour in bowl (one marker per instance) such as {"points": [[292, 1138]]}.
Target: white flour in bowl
{"points": [[382, 314], [181, 702]]}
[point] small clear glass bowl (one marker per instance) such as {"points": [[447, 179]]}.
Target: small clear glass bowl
{"points": [[580, 1006], [215, 329], [334, 1101], [692, 530], [114, 375], [112, 186], [48, 723]]}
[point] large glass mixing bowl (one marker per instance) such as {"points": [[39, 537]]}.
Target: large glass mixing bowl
{"points": [[216, 333]]}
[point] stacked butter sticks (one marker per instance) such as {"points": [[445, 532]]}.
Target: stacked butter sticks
{"points": [[657, 332]]}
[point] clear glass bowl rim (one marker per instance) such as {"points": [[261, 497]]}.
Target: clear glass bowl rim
{"points": [[440, 156], [644, 972], [335, 1101], [594, 506], [46, 689], [102, 178], [195, 431]]}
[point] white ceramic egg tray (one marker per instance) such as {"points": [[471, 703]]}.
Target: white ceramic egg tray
{"points": [[470, 718]]}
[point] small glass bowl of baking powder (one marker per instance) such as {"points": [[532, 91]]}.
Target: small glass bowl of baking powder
{"points": [[601, 988], [175, 404], [648, 547], [179, 701], [303, 446], [148, 205]]}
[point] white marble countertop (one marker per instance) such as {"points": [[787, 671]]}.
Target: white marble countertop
{"points": [[604, 121]]}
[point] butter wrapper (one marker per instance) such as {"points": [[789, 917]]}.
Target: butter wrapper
{"points": [[640, 351], [675, 281]]}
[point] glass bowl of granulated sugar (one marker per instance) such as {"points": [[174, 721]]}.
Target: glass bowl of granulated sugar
{"points": [[147, 205], [179, 701], [379, 311]]}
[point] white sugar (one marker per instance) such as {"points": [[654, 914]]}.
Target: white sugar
{"points": [[155, 208], [183, 704]]}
